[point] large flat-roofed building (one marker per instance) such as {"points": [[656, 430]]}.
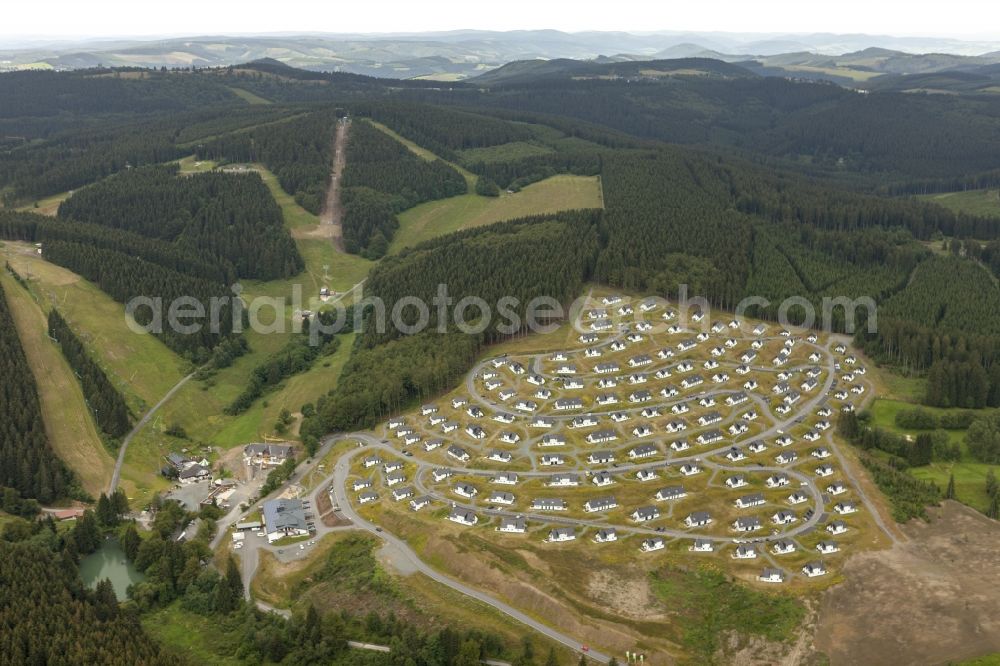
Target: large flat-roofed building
{"points": [[284, 517]]}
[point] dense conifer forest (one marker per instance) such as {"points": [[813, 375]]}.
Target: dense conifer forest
{"points": [[729, 183], [31, 467], [230, 217], [382, 178], [50, 618], [297, 149]]}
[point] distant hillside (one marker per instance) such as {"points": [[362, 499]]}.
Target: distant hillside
{"points": [[526, 71], [461, 54]]}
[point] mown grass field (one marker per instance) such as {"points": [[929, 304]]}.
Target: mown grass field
{"points": [[970, 476], [68, 422], [436, 218], [141, 366], [505, 152], [325, 264], [191, 164], [973, 202], [249, 97], [857, 75], [444, 216]]}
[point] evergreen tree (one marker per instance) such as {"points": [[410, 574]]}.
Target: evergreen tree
{"points": [[105, 600], [130, 541], [228, 589], [921, 452], [87, 533], [105, 513], [949, 493]]}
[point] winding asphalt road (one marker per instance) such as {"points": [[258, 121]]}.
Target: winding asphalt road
{"points": [[336, 484], [341, 499]]}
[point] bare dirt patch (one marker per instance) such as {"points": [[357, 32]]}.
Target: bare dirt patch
{"points": [[320, 231], [630, 598], [324, 507], [526, 587], [930, 600], [332, 216]]}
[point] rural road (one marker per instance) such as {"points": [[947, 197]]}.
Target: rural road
{"points": [[116, 475], [406, 559], [341, 499]]}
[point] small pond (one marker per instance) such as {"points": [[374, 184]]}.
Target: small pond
{"points": [[109, 562]]}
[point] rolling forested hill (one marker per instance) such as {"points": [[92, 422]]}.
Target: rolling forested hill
{"points": [[705, 175], [732, 183]]}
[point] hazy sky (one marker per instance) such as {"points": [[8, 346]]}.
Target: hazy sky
{"points": [[98, 18]]}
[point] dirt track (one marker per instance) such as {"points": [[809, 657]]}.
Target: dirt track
{"points": [[933, 599], [333, 211]]}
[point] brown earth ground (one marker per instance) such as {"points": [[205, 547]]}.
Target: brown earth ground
{"points": [[324, 508], [933, 599], [332, 216]]}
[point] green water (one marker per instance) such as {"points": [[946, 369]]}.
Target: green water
{"points": [[109, 562]]}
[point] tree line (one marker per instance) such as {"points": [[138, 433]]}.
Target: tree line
{"points": [[105, 401], [909, 496], [31, 466], [297, 150], [123, 278], [442, 130], [296, 356], [192, 261], [383, 177], [230, 217]]}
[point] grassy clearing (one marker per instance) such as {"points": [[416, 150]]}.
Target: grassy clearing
{"points": [[343, 571], [989, 659], [436, 218], [48, 205], [856, 75], [908, 389], [191, 164], [970, 476], [295, 392], [973, 202], [196, 638], [707, 605], [141, 366], [325, 264], [68, 423], [970, 480], [249, 97], [504, 152]]}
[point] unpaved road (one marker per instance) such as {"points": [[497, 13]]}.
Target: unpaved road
{"points": [[932, 599], [333, 211]]}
